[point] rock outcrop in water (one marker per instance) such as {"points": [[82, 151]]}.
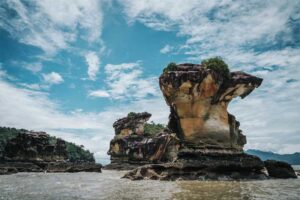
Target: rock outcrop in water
{"points": [[279, 169], [38, 152], [211, 141], [133, 146]]}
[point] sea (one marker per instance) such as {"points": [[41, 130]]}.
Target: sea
{"points": [[110, 185]]}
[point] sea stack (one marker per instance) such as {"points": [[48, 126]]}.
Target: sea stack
{"points": [[198, 98], [211, 141]]}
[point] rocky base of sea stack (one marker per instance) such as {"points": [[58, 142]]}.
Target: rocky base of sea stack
{"points": [[213, 166], [15, 167], [128, 165]]}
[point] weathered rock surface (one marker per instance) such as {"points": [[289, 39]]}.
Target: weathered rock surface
{"points": [[278, 169], [197, 166], [198, 98], [14, 167], [132, 124], [73, 167], [35, 146], [38, 152], [131, 147], [211, 141]]}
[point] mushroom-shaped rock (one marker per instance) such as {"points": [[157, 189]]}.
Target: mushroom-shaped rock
{"points": [[198, 98]]}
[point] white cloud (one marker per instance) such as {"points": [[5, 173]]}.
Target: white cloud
{"points": [[34, 67], [53, 78], [33, 86], [212, 27], [93, 65], [99, 93], [166, 49], [125, 81], [115, 69], [31, 66], [51, 26], [2, 73]]}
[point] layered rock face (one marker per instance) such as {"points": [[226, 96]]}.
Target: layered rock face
{"points": [[38, 152], [211, 141], [199, 166], [132, 147], [198, 99], [35, 146]]}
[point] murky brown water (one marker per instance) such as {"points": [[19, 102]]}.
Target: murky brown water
{"points": [[108, 185]]}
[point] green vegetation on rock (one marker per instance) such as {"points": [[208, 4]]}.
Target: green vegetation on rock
{"points": [[217, 64], [131, 114], [152, 129], [75, 152], [170, 67], [7, 134], [78, 153]]}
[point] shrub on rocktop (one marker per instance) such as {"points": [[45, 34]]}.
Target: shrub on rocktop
{"points": [[131, 114], [217, 64], [152, 129], [170, 67]]}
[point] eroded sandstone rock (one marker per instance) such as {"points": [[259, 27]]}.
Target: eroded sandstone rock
{"points": [[198, 100], [131, 147]]}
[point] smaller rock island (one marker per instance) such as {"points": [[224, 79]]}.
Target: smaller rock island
{"points": [[29, 151], [207, 141], [137, 142]]}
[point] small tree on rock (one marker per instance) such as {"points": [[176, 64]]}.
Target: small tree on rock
{"points": [[218, 65]]}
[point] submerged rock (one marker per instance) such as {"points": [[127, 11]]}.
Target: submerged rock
{"points": [[7, 170], [73, 167], [279, 169], [40, 166]]}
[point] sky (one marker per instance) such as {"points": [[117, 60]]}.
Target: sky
{"points": [[72, 68]]}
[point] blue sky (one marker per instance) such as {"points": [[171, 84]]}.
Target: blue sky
{"points": [[72, 69]]}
